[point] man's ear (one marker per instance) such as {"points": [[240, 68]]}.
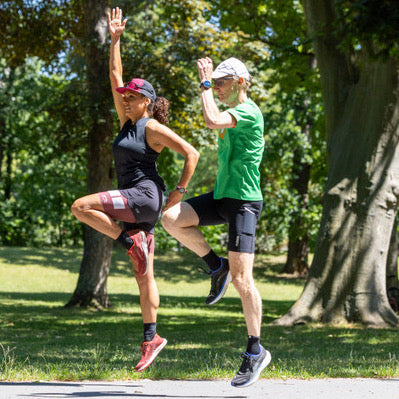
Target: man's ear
{"points": [[240, 81]]}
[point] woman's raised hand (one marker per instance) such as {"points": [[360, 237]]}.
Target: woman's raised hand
{"points": [[115, 24]]}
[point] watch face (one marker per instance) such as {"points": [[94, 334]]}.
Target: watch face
{"points": [[182, 190], [206, 84]]}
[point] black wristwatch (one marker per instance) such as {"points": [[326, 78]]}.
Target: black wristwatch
{"points": [[181, 190], [205, 84]]}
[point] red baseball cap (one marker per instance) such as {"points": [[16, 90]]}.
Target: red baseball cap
{"points": [[139, 86]]}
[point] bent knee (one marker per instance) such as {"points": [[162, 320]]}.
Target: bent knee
{"points": [[179, 216], [78, 207], [169, 218]]}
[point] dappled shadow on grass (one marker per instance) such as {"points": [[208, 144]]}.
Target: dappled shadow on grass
{"points": [[81, 343], [121, 304], [169, 265], [52, 337], [88, 343], [61, 258]]}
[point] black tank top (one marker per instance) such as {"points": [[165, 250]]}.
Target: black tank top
{"points": [[134, 159]]}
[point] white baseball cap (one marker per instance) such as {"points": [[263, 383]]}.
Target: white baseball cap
{"points": [[231, 66]]}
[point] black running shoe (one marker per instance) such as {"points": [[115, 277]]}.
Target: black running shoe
{"points": [[220, 280], [251, 367]]}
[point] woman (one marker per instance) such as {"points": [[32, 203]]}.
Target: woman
{"points": [[138, 200]]}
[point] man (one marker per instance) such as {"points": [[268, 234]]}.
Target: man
{"points": [[236, 200]]}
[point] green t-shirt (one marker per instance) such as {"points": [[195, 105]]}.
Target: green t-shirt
{"points": [[239, 155]]}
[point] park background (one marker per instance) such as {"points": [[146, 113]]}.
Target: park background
{"points": [[323, 89]]}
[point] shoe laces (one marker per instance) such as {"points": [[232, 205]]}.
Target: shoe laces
{"points": [[212, 272], [145, 347], [204, 270], [247, 363]]}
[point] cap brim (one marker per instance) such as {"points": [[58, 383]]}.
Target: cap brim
{"points": [[217, 74], [123, 89]]}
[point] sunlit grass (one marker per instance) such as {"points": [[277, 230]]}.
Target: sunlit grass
{"points": [[40, 340]]}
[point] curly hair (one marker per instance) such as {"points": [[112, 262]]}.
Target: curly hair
{"points": [[160, 110]]}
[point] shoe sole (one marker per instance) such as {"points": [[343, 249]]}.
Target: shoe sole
{"points": [[223, 290], [154, 355], [255, 377]]}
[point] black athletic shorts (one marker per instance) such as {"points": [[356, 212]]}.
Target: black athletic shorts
{"points": [[241, 215], [139, 207]]}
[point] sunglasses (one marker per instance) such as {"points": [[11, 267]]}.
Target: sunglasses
{"points": [[220, 82]]}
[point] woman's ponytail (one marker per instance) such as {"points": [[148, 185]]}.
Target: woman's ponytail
{"points": [[160, 110]]}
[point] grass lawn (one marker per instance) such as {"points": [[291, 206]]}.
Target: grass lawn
{"points": [[40, 340]]}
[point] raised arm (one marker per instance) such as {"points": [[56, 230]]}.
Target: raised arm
{"points": [[116, 27], [214, 119]]}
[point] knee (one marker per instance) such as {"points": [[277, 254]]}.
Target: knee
{"points": [[78, 207], [169, 218], [145, 283], [242, 283]]}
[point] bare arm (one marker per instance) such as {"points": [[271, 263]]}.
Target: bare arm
{"points": [[160, 136], [214, 119], [116, 27]]}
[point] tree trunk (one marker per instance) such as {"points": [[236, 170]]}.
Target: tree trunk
{"points": [[92, 284], [298, 244], [297, 256], [91, 289], [347, 279], [2, 142], [392, 270], [8, 177]]}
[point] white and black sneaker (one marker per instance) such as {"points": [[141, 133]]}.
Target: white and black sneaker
{"points": [[251, 367], [220, 280]]}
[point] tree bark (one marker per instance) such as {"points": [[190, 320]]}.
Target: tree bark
{"points": [[298, 239], [347, 279], [92, 284], [392, 269], [2, 142], [8, 177]]}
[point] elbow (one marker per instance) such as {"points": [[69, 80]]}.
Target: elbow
{"points": [[211, 124], [192, 157], [195, 155]]}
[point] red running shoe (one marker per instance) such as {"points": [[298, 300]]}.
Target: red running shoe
{"points": [[139, 252], [150, 350]]}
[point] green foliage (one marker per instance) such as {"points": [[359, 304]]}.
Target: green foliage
{"points": [[46, 123], [46, 156], [287, 144], [176, 35], [369, 24], [35, 28]]}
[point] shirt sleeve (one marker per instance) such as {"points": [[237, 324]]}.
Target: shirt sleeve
{"points": [[243, 115]]}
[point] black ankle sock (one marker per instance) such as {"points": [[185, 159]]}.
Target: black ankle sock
{"points": [[212, 260], [253, 346], [125, 240], [150, 329]]}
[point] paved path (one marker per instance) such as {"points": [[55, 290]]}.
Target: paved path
{"points": [[274, 389]]}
